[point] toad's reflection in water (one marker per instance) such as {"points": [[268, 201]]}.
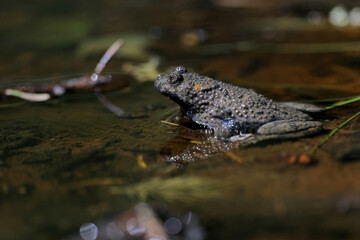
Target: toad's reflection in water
{"points": [[191, 145]]}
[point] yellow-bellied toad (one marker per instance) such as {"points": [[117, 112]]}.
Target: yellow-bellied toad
{"points": [[231, 111]]}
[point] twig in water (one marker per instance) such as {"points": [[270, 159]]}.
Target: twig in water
{"points": [[110, 106], [108, 55], [45, 91]]}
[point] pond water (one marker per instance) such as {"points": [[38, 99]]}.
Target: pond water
{"points": [[72, 169]]}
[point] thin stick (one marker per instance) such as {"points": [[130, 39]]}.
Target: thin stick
{"points": [[170, 123], [108, 55]]}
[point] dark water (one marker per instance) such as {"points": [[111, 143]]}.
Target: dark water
{"points": [[69, 161]]}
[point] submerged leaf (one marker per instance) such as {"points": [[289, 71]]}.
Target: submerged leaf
{"points": [[177, 189]]}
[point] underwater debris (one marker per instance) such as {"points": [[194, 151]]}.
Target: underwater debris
{"points": [[145, 71], [46, 91], [175, 189]]}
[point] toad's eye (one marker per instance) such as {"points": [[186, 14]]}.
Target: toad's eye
{"points": [[174, 78]]}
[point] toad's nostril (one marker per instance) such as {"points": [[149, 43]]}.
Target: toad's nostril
{"points": [[181, 69]]}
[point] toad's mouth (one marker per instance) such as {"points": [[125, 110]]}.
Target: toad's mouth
{"points": [[177, 100], [170, 93]]}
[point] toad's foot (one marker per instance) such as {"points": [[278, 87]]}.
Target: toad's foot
{"points": [[304, 107], [289, 129], [241, 137]]}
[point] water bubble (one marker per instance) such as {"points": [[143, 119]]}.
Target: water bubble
{"points": [[195, 233], [114, 231], [94, 77], [58, 90], [134, 227], [173, 225], [354, 17], [314, 17], [89, 231], [338, 16], [155, 237]]}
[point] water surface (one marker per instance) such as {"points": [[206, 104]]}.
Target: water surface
{"points": [[70, 161]]}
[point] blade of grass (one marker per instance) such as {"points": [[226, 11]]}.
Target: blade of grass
{"points": [[325, 139], [331, 99], [337, 104]]}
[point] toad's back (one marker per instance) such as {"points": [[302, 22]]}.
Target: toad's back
{"points": [[245, 106]]}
